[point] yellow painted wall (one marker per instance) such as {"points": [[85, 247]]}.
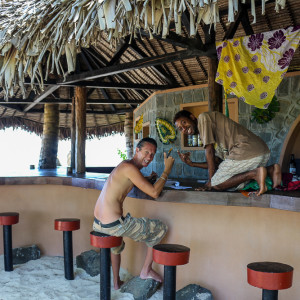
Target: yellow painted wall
{"points": [[223, 240]]}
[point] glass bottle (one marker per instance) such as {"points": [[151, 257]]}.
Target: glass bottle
{"points": [[200, 144], [292, 168], [190, 140], [195, 140]]}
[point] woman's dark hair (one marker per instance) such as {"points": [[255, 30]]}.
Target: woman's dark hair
{"points": [[182, 113], [146, 140]]}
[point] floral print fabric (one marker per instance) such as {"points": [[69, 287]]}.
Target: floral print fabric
{"points": [[252, 67]]}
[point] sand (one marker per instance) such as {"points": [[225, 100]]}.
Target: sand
{"points": [[44, 279]]}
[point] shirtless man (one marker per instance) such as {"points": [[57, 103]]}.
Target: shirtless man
{"points": [[244, 155], [109, 207]]}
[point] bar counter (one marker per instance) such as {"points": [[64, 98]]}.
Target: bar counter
{"points": [[224, 230], [286, 200]]}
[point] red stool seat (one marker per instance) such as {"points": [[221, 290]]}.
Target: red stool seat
{"points": [[67, 224], [270, 275], [171, 254], [101, 240], [9, 218]]}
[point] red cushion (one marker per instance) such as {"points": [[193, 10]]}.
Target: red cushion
{"points": [[270, 275], [66, 224], [9, 218], [101, 240], [171, 254]]}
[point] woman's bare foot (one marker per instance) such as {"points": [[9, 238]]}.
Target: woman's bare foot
{"points": [[261, 175], [118, 284], [152, 275]]}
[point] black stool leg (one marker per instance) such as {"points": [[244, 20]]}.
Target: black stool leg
{"points": [[7, 242], [105, 274], [68, 255], [169, 282], [269, 295]]}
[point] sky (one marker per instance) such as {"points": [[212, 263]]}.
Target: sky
{"points": [[19, 149]]}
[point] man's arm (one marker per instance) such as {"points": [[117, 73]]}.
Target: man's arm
{"points": [[185, 157], [144, 185], [210, 158]]}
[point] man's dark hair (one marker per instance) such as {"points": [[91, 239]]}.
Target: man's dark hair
{"points": [[149, 140], [182, 113]]}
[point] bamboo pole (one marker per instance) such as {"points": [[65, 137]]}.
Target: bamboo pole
{"points": [[48, 154], [128, 129], [80, 115], [73, 135], [215, 101]]}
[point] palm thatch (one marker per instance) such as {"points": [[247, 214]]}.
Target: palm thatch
{"points": [[113, 48], [34, 33], [34, 123]]}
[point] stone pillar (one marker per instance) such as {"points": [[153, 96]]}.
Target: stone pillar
{"points": [[80, 115], [128, 129], [215, 100], [48, 154]]}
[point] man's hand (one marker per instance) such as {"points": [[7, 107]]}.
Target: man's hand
{"points": [[152, 177], [168, 163], [185, 157], [206, 187]]}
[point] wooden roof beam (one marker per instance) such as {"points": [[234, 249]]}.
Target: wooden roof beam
{"points": [[122, 47], [138, 64], [121, 77], [49, 90], [242, 14], [13, 101], [67, 111], [179, 41], [158, 69]]}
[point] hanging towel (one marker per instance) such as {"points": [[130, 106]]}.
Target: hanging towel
{"points": [[252, 67]]}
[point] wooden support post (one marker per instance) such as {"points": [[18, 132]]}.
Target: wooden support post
{"points": [[73, 135], [215, 100], [49, 147], [80, 114], [128, 129]]}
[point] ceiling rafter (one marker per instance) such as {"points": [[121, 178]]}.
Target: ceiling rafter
{"points": [[48, 90], [173, 64], [69, 101], [121, 77], [158, 69], [68, 111], [138, 64]]}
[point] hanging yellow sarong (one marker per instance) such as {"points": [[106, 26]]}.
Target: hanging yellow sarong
{"points": [[252, 67]]}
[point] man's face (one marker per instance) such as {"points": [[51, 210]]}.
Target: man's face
{"points": [[187, 125], [146, 154]]}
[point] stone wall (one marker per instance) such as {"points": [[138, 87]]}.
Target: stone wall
{"points": [[165, 105]]}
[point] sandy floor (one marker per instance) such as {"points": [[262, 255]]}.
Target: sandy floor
{"points": [[44, 279]]}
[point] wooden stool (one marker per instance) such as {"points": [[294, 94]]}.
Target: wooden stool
{"points": [[67, 226], [170, 255], [271, 277], [105, 242], [7, 219]]}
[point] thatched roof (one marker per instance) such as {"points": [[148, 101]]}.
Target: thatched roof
{"points": [[121, 50]]}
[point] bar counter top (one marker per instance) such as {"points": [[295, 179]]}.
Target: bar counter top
{"points": [[285, 200]]}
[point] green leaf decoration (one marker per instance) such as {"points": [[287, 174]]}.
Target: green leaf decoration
{"points": [[262, 116], [166, 131]]}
